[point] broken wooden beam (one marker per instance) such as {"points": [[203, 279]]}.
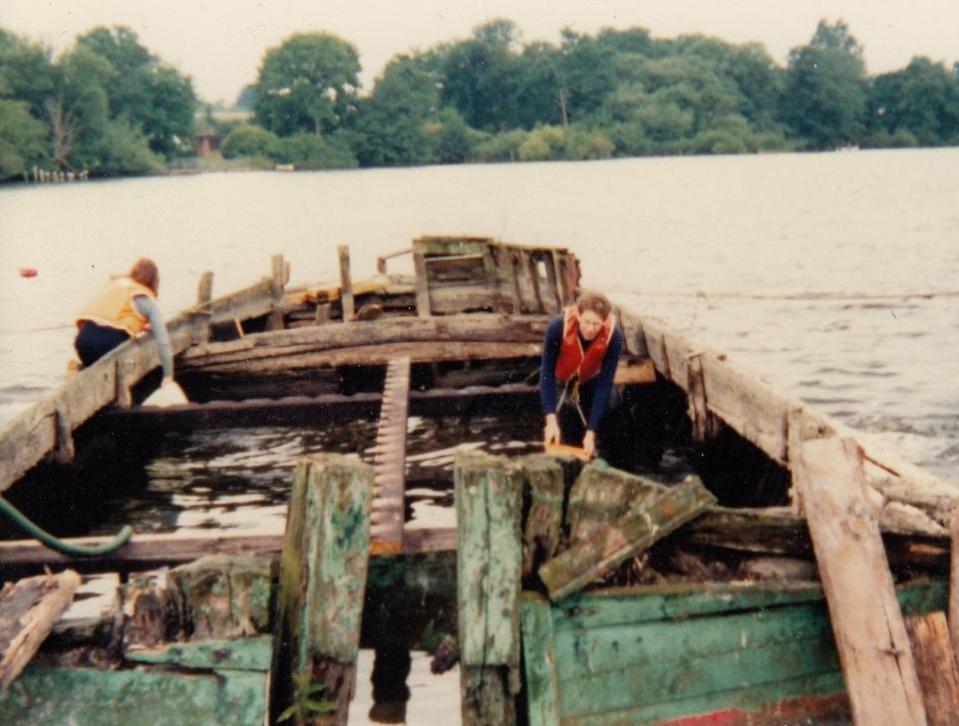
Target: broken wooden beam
{"points": [[954, 581], [322, 585], [870, 634], [489, 562], [28, 610], [346, 283], [624, 537]]}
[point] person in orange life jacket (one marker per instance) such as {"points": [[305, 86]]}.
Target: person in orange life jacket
{"points": [[580, 352], [122, 309]]}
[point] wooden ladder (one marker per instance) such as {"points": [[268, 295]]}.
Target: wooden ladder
{"points": [[390, 460]]}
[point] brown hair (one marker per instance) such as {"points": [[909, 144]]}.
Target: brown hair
{"points": [[146, 273], [595, 302]]}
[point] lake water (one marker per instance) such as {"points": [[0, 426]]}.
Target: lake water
{"points": [[832, 275]]}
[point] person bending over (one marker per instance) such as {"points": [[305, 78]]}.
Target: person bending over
{"points": [[122, 309], [580, 352]]}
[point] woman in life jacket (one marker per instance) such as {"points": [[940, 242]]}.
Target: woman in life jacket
{"points": [[580, 352], [122, 309]]}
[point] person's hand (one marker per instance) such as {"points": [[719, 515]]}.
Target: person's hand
{"points": [[589, 444], [551, 430]]}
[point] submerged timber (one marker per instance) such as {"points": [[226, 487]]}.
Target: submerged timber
{"points": [[728, 585]]}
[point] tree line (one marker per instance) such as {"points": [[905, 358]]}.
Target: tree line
{"points": [[110, 106]]}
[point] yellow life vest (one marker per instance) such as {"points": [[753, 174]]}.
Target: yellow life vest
{"points": [[113, 306]]}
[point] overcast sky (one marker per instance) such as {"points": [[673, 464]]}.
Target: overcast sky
{"points": [[220, 43]]}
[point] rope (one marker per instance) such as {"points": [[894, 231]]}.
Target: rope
{"points": [[789, 295], [59, 545]]}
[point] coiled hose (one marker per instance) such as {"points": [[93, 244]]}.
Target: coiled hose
{"points": [[59, 545]]}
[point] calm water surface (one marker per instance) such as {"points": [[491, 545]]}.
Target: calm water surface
{"points": [[731, 250]]}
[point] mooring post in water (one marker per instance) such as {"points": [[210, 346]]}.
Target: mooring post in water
{"points": [[489, 561], [322, 586]]}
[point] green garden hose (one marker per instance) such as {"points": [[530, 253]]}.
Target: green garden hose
{"points": [[59, 545]]}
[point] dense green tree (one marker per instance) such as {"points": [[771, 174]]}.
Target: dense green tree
{"points": [[142, 89], [309, 151], [26, 72], [921, 100], [392, 122], [22, 139], [587, 75], [479, 76], [538, 89], [308, 83], [824, 101], [247, 98]]}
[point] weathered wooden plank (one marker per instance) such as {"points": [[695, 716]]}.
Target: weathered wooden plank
{"points": [[346, 283], [378, 354], [28, 610], [611, 607], [178, 549], [936, 666], [488, 508], [90, 697], [623, 537], [277, 281], [237, 654], [873, 644], [322, 583], [695, 676], [747, 404], [453, 328], [542, 682], [204, 304]]}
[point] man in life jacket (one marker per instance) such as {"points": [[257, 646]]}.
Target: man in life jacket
{"points": [[122, 309], [580, 353]]}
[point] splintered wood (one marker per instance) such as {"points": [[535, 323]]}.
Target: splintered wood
{"points": [[28, 610], [867, 622], [390, 460]]}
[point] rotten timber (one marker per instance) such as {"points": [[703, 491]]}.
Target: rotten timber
{"points": [[936, 666], [624, 537], [28, 610], [870, 634]]}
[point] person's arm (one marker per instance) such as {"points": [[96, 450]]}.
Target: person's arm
{"points": [[547, 379], [148, 308], [604, 382]]}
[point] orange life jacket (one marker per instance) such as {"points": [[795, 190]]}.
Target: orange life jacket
{"points": [[572, 359], [113, 306]]}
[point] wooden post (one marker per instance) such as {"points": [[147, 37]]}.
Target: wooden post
{"points": [[346, 284], [28, 610], [278, 280], [322, 586], [936, 666], [422, 286], [544, 524], [204, 296], [489, 559], [954, 582], [625, 537], [870, 634]]}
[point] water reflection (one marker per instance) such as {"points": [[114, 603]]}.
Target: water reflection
{"points": [[239, 480]]}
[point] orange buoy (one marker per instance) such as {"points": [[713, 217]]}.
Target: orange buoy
{"points": [[28, 272]]}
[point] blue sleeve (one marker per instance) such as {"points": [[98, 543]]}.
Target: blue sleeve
{"points": [[604, 383], [547, 372], [148, 308]]}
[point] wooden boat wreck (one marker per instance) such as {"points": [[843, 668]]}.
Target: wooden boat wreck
{"points": [[740, 557]]}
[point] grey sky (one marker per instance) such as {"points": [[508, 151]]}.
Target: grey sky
{"points": [[220, 43]]}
